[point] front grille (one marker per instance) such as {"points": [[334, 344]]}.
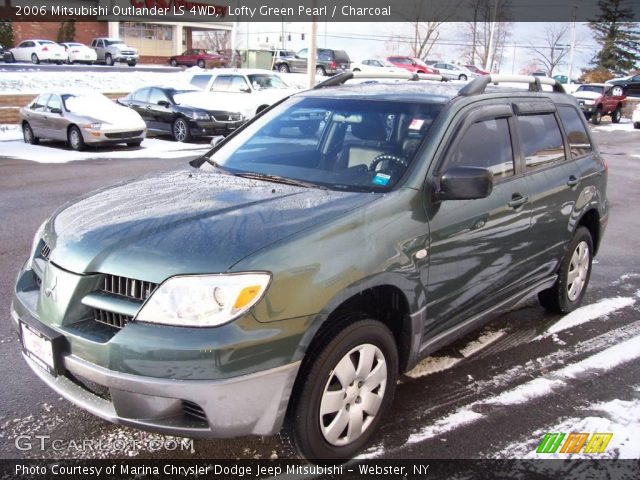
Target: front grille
{"points": [[45, 252], [136, 133], [112, 319], [127, 52], [193, 410], [227, 118], [128, 287]]}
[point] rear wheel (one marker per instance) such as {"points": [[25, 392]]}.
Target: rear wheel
{"points": [[174, 62], [201, 63], [636, 125], [348, 388], [616, 116], [575, 270], [181, 131], [75, 140], [320, 71], [462, 77], [27, 134], [596, 116]]}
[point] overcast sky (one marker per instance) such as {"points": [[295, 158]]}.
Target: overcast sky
{"points": [[367, 40]]}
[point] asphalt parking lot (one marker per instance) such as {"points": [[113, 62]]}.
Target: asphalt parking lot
{"points": [[513, 378]]}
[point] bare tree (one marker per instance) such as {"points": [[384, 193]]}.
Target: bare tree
{"points": [[217, 40], [426, 33], [553, 47], [488, 31]]}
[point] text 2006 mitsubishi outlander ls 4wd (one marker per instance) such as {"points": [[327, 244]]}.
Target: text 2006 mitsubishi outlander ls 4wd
{"points": [[284, 280]]}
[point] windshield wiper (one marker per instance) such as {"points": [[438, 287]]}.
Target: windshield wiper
{"points": [[279, 179]]}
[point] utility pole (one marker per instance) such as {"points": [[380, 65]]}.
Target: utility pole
{"points": [[573, 45], [311, 59], [489, 61]]}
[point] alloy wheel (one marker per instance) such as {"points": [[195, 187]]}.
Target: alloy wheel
{"points": [[180, 130]]}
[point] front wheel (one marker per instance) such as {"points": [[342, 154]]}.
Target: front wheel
{"points": [[75, 140], [596, 116], [575, 270], [201, 63], [108, 59], [616, 116], [174, 62], [34, 59], [462, 77], [636, 125], [27, 134], [347, 390], [284, 68], [181, 131], [132, 64]]}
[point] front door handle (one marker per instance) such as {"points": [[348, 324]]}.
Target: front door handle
{"points": [[517, 200], [573, 181]]}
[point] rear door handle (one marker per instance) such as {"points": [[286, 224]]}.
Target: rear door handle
{"points": [[573, 181], [517, 200]]}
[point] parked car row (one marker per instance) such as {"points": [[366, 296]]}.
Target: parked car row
{"points": [[328, 61], [102, 50]]}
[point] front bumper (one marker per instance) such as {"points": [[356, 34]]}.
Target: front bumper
{"points": [[113, 136], [200, 128], [118, 57], [253, 404]]}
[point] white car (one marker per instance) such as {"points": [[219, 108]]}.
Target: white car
{"points": [[454, 72], [373, 65], [78, 52], [243, 90], [635, 117], [36, 51]]}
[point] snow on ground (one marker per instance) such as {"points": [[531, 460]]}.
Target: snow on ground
{"points": [[48, 152], [10, 132], [585, 314], [625, 125], [620, 417], [34, 82], [482, 341], [607, 359]]}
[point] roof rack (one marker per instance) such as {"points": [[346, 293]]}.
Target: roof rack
{"points": [[479, 84], [341, 78]]}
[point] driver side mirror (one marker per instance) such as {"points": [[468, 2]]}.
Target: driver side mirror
{"points": [[245, 90], [465, 183], [56, 110], [164, 103]]}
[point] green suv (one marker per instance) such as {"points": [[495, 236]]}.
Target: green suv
{"points": [[283, 281]]}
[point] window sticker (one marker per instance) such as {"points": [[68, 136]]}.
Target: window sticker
{"points": [[416, 124], [381, 179]]}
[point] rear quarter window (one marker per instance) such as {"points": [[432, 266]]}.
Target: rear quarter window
{"points": [[541, 140], [575, 130]]}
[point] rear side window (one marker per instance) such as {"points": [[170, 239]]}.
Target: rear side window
{"points": [[541, 139], [575, 130], [221, 84], [200, 81], [486, 144], [141, 95]]}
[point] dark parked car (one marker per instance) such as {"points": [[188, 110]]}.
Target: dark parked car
{"points": [[284, 280], [599, 99], [174, 111], [199, 57], [630, 86], [328, 62]]}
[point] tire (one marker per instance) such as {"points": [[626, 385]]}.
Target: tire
{"points": [[320, 71], [174, 62], [74, 139], [201, 63], [564, 296], [462, 77], [372, 385], [108, 59], [28, 135], [596, 116], [356, 69], [636, 125], [34, 59], [283, 68], [137, 143], [616, 115], [180, 130], [9, 58], [132, 64]]}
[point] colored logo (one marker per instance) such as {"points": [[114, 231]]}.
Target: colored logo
{"points": [[574, 442]]}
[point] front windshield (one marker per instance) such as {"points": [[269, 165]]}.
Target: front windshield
{"points": [[113, 42], [336, 143], [590, 88], [265, 80]]}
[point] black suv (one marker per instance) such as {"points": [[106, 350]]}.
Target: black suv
{"points": [[283, 281]]}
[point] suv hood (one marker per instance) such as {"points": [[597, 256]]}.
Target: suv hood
{"points": [[185, 221]]}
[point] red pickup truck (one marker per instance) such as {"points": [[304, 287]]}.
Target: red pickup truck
{"points": [[598, 99]]}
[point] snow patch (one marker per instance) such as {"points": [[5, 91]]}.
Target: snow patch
{"points": [[432, 365], [483, 340], [589, 312], [624, 126], [464, 416], [10, 132]]}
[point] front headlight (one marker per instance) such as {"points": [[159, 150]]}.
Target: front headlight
{"points": [[197, 115], [203, 300], [34, 244], [93, 126]]}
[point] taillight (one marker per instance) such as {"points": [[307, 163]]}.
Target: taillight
{"points": [[45, 49], [606, 166], [334, 65]]}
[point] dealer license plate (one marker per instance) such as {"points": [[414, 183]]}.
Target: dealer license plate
{"points": [[37, 347]]}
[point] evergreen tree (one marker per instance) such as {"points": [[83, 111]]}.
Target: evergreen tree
{"points": [[617, 35], [67, 31], [6, 33]]}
